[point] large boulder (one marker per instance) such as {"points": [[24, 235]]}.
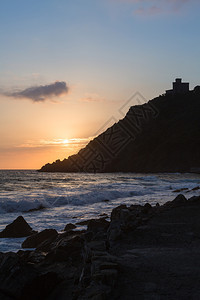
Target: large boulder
{"points": [[116, 212], [194, 200], [98, 225], [180, 200], [69, 226], [41, 286], [14, 274], [38, 238], [73, 248], [18, 228]]}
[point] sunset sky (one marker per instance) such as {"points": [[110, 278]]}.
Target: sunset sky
{"points": [[66, 68]]}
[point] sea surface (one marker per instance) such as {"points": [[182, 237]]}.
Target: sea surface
{"points": [[69, 198]]}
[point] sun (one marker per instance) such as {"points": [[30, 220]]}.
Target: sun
{"points": [[65, 141]]}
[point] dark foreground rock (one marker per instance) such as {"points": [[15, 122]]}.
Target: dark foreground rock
{"points": [[69, 226], [18, 228], [38, 238], [144, 252]]}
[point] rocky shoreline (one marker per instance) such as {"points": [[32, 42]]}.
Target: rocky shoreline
{"points": [[141, 252]]}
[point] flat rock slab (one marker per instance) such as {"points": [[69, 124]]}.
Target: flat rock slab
{"points": [[161, 259]]}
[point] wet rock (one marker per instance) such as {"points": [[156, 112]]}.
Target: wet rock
{"points": [[97, 245], [88, 236], [107, 277], [46, 245], [194, 200], [195, 188], [18, 228], [147, 207], [86, 222], [116, 212], [114, 231], [179, 201], [103, 215], [40, 207], [5, 295], [41, 286], [97, 291], [180, 190], [70, 233], [38, 238], [85, 277], [31, 256], [136, 208], [98, 225], [83, 223], [109, 265], [73, 247], [69, 226], [14, 274], [57, 255]]}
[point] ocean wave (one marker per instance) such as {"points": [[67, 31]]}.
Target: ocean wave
{"points": [[30, 203], [10, 205]]}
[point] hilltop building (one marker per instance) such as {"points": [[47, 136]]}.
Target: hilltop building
{"points": [[179, 87]]}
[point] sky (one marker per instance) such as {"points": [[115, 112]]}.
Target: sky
{"points": [[67, 67]]}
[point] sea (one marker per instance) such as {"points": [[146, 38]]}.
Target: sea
{"points": [[51, 200]]}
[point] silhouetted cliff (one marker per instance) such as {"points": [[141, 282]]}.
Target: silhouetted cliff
{"points": [[162, 135]]}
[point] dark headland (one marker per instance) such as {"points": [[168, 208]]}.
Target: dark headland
{"points": [[162, 135], [141, 252]]}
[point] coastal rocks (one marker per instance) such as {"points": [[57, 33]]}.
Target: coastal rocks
{"points": [[187, 190], [38, 238], [57, 255], [14, 274], [55, 241], [71, 249], [69, 226], [33, 257], [18, 228], [100, 271], [114, 231], [102, 277], [195, 188], [41, 286], [98, 225], [96, 228], [126, 258], [40, 207], [116, 212], [125, 219], [97, 245], [180, 200], [180, 190], [194, 200]]}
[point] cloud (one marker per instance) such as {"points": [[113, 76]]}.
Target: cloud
{"points": [[155, 7], [40, 93]]}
